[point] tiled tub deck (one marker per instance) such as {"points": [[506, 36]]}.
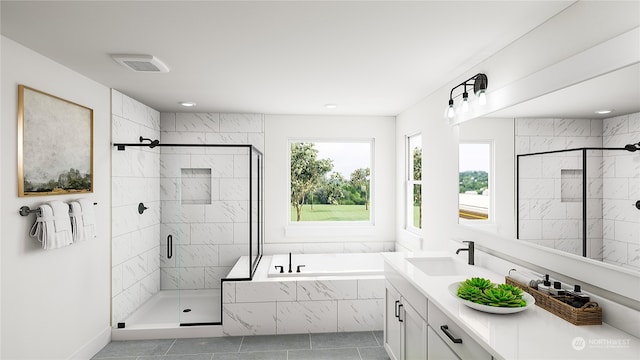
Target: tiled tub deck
{"points": [[269, 306]]}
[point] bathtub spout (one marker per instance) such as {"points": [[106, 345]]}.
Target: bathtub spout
{"points": [[290, 263]]}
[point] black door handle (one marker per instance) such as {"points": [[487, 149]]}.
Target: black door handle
{"points": [[169, 246], [396, 308], [400, 312]]}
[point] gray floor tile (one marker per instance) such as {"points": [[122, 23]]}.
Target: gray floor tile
{"points": [[275, 342], [373, 353], [258, 355], [206, 345], [343, 340], [177, 357], [379, 337], [134, 348], [325, 354]]}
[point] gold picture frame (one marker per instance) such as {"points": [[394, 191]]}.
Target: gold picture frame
{"points": [[55, 145]]}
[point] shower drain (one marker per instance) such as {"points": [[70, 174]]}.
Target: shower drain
{"points": [[186, 310]]}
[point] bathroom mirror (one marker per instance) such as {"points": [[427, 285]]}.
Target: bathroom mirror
{"points": [[542, 184]]}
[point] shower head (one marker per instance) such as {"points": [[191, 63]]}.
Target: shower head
{"points": [[632, 147], [153, 143]]}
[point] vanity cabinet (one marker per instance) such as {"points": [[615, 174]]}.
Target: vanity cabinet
{"points": [[405, 330], [416, 330]]}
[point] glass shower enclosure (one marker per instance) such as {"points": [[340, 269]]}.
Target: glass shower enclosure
{"points": [[209, 213]]}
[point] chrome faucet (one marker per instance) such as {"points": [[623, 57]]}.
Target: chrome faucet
{"points": [[470, 249]]}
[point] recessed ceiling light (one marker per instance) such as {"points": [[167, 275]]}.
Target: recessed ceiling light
{"points": [[603, 111], [187, 103], [330, 106]]}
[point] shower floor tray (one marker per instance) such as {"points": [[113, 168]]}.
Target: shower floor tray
{"points": [[170, 308]]}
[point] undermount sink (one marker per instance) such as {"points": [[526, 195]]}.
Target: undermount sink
{"points": [[439, 266]]}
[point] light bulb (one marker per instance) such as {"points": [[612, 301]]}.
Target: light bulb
{"points": [[482, 98], [465, 102], [450, 112]]}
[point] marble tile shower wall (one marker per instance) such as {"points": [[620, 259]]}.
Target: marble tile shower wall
{"points": [[621, 177], [134, 179], [204, 194], [550, 186]]}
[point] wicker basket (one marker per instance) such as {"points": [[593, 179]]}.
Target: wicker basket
{"points": [[589, 314]]}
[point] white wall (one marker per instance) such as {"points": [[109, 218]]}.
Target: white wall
{"points": [[552, 56], [282, 238], [55, 303]]}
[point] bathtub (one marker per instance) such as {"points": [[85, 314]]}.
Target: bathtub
{"points": [[327, 265]]}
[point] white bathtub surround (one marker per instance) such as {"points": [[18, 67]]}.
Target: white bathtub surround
{"points": [[304, 304]]}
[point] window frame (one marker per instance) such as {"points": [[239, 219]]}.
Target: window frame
{"points": [[410, 182]]}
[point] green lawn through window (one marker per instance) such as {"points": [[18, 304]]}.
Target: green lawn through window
{"points": [[323, 212]]}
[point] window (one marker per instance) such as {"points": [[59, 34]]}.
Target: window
{"points": [[330, 181], [414, 182], [474, 202]]}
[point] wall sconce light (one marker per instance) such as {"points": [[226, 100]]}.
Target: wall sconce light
{"points": [[479, 84]]}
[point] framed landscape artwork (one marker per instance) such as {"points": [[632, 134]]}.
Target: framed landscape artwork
{"points": [[55, 145]]}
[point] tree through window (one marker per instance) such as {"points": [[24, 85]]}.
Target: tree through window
{"points": [[330, 181]]}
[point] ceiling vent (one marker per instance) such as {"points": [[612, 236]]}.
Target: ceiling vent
{"points": [[141, 63]]}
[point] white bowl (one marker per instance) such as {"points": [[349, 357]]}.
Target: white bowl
{"points": [[453, 290]]}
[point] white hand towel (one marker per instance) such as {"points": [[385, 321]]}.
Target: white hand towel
{"points": [[82, 220], [62, 224], [44, 229]]}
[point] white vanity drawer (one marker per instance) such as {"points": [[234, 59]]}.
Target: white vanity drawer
{"points": [[465, 347]]}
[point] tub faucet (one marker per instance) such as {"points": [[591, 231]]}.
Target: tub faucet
{"points": [[290, 263], [281, 268], [470, 249], [299, 267]]}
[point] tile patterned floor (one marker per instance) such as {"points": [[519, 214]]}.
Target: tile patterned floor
{"points": [[330, 346]]}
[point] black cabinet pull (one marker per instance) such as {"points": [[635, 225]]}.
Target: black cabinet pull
{"points": [[445, 330], [400, 313], [169, 246], [396, 308]]}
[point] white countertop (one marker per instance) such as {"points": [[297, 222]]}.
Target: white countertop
{"points": [[532, 334]]}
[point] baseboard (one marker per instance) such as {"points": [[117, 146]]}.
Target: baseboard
{"points": [[93, 346]]}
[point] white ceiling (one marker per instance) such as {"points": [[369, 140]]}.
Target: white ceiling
{"points": [[291, 57]]}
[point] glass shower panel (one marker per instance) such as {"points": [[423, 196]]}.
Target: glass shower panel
{"points": [[551, 199]]}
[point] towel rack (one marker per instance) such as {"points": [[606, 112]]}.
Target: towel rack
{"points": [[25, 210]]}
